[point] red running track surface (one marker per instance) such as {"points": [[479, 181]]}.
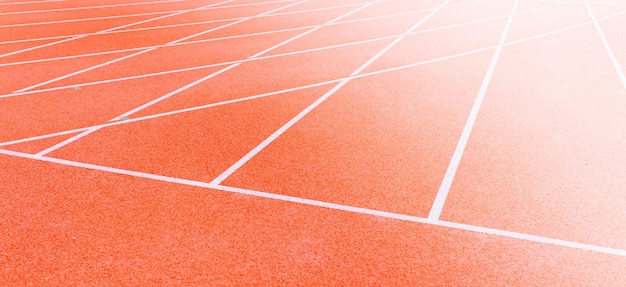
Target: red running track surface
{"points": [[312, 143]]}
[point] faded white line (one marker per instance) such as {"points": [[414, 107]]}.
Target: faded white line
{"points": [[444, 189]]}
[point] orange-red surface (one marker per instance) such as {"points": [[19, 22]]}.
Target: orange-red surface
{"points": [[72, 226], [311, 164]]}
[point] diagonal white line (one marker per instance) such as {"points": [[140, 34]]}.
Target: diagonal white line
{"points": [[605, 42], [218, 180], [108, 30], [327, 205], [444, 189], [201, 80]]}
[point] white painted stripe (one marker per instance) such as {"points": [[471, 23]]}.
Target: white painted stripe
{"points": [[152, 49], [327, 205], [319, 101], [605, 42], [444, 189], [88, 7], [197, 82], [103, 31]]}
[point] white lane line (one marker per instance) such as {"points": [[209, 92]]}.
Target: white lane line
{"points": [[616, 63], [107, 30], [88, 7], [152, 49], [125, 16], [201, 80], [397, 68], [444, 189], [328, 205], [319, 101]]}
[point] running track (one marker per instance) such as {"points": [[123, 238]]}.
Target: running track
{"points": [[312, 143]]}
